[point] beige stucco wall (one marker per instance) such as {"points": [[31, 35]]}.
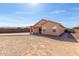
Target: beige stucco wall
{"points": [[49, 31], [76, 34], [76, 30], [35, 30]]}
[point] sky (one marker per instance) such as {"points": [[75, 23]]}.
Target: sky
{"points": [[21, 14]]}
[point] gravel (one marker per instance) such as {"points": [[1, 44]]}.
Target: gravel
{"points": [[31, 45]]}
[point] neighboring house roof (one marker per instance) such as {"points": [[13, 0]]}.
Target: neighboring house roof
{"points": [[44, 21], [76, 28]]}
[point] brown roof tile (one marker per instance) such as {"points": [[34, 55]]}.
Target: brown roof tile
{"points": [[44, 21]]}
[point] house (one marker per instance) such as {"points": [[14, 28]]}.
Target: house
{"points": [[76, 34], [76, 29], [47, 27]]}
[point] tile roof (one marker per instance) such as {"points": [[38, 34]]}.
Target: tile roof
{"points": [[44, 21]]}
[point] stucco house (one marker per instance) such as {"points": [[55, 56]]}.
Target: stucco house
{"points": [[47, 27], [76, 29]]}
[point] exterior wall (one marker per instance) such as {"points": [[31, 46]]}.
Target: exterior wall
{"points": [[76, 30], [76, 33], [35, 30], [13, 30], [49, 31]]}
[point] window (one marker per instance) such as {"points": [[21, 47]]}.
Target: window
{"points": [[54, 28], [43, 29]]}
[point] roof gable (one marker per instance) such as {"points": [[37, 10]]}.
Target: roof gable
{"points": [[40, 23], [44, 21]]}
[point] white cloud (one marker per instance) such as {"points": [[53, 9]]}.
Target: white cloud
{"points": [[27, 25], [72, 18], [19, 13], [22, 12], [57, 11], [7, 21]]}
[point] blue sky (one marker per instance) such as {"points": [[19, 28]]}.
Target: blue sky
{"points": [[20, 14]]}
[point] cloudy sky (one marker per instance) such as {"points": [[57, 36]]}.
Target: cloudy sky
{"points": [[14, 15]]}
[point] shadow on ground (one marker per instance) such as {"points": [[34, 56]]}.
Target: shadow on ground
{"points": [[65, 37]]}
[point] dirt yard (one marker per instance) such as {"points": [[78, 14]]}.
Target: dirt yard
{"points": [[25, 44]]}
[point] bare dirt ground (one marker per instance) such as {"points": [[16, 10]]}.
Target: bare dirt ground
{"points": [[25, 44]]}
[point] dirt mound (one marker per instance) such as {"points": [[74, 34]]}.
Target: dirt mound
{"points": [[68, 37]]}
